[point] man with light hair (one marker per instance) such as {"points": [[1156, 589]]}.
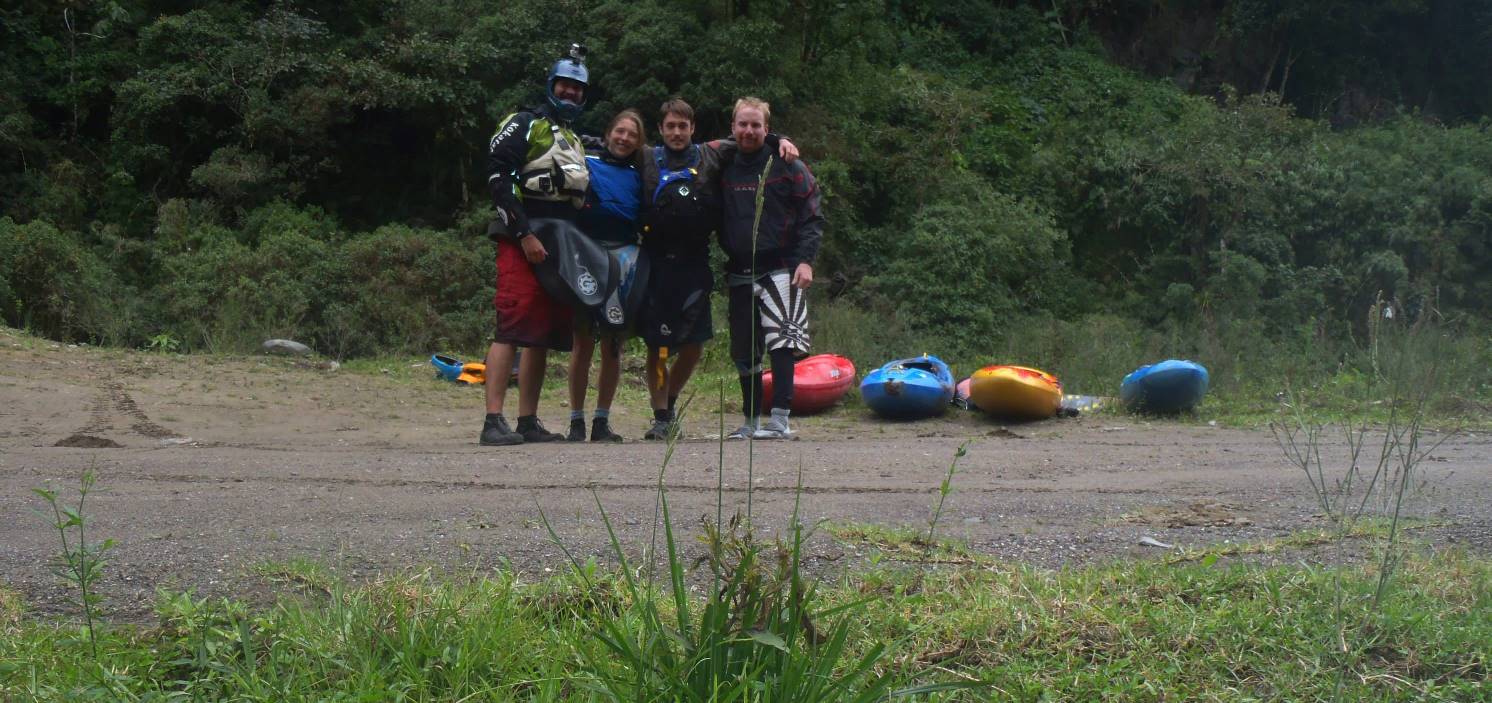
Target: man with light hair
{"points": [[681, 212], [769, 266]]}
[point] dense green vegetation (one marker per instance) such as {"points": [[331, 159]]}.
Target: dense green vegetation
{"points": [[1079, 184], [1224, 177], [1124, 632]]}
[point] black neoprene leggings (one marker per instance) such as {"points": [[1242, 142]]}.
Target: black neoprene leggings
{"points": [[747, 343]]}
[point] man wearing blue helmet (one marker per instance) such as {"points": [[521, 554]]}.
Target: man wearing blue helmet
{"points": [[535, 170]]}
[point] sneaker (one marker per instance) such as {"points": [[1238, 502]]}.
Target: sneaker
{"points": [[659, 430], [496, 433], [577, 431], [744, 432], [601, 431], [533, 431], [774, 428]]}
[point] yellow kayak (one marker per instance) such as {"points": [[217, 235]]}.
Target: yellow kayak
{"points": [[1015, 392]]}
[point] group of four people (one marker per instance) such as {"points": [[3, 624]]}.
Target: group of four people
{"points": [[668, 199]]}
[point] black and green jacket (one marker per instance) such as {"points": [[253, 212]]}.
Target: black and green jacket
{"points": [[521, 138]]}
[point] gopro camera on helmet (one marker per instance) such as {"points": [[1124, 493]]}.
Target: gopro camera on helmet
{"points": [[572, 68]]}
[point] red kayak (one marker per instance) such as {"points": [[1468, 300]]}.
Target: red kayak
{"points": [[818, 383]]}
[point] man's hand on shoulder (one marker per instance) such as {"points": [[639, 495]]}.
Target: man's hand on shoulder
{"points": [[533, 249], [803, 276], [787, 150]]}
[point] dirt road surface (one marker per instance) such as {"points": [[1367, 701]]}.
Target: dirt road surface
{"points": [[208, 467]]}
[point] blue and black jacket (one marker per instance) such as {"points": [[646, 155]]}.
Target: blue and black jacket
{"points": [[614, 202]]}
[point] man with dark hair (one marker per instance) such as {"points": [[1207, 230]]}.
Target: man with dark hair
{"points": [[769, 266], [537, 175], [682, 208]]}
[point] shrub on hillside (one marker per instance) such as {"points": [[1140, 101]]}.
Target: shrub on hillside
{"points": [[408, 290], [184, 225], [291, 273], [229, 296], [52, 284], [281, 217], [965, 268]]}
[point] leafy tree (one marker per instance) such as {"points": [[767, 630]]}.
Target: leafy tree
{"points": [[1272, 166]]}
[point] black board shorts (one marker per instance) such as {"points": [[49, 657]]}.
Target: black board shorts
{"points": [[676, 311]]}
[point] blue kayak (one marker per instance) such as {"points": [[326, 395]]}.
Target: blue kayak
{"points": [[909, 388], [1170, 386], [446, 367]]}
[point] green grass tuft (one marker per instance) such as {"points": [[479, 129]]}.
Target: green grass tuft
{"points": [[1134, 630]]}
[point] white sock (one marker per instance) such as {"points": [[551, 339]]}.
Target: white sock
{"points": [[779, 415]]}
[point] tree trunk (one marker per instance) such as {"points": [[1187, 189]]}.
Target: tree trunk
{"points": [[1285, 79], [1269, 72], [72, 67], [464, 177], [805, 17]]}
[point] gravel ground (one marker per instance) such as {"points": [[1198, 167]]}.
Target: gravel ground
{"points": [[208, 468]]}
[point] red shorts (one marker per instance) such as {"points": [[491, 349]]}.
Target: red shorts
{"points": [[526, 315]]}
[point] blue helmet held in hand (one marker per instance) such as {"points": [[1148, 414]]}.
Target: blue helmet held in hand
{"points": [[570, 67]]}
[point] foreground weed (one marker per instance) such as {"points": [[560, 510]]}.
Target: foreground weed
{"points": [[1381, 468], [944, 489], [79, 563], [910, 544], [757, 635]]}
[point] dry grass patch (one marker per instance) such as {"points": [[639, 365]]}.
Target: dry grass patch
{"points": [[10, 608]]}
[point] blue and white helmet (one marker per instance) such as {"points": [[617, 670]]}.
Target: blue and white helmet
{"points": [[573, 68]]}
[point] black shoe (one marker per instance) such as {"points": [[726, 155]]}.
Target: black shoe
{"points": [[533, 431], [659, 430], [496, 433], [601, 431], [577, 431]]}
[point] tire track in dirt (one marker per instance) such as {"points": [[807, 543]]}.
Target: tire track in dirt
{"points": [[111, 407], [101, 417], [125, 404]]}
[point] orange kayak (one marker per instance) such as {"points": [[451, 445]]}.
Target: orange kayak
{"points": [[1015, 392]]}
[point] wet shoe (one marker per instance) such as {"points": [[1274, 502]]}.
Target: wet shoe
{"points": [[496, 433], [577, 431], [659, 430], [744, 432], [533, 431], [774, 428], [601, 431]]}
